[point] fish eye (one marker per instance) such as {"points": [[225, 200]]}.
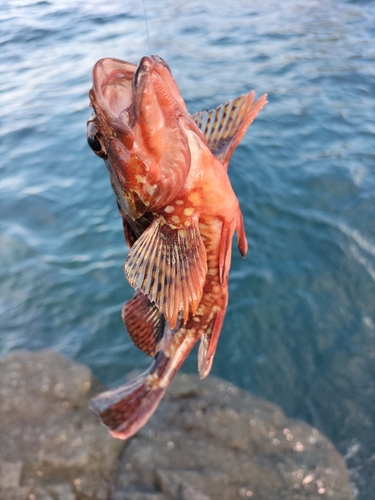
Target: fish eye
{"points": [[95, 145]]}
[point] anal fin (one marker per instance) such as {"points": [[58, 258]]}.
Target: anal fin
{"points": [[169, 266], [143, 322]]}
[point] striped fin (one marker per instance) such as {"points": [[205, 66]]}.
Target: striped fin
{"points": [[169, 266], [142, 320], [126, 409], [225, 126]]}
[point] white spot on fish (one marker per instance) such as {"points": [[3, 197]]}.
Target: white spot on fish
{"points": [[188, 211]]}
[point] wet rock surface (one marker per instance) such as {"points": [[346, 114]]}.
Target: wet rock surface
{"points": [[208, 440]]}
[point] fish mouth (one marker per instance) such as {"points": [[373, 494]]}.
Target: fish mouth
{"points": [[112, 94], [119, 86]]}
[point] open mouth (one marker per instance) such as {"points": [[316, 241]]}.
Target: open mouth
{"points": [[113, 81], [119, 87]]}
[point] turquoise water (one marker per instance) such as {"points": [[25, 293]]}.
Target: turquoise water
{"points": [[300, 327]]}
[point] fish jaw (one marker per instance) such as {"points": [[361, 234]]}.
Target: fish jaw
{"points": [[110, 127], [159, 112], [111, 96]]}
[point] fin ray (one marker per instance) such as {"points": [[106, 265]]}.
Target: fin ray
{"points": [[208, 344], [169, 266], [126, 409], [142, 321], [225, 126]]}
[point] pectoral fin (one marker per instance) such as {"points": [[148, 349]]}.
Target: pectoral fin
{"points": [[142, 320], [169, 266], [225, 126]]}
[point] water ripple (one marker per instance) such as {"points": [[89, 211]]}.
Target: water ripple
{"points": [[299, 328]]}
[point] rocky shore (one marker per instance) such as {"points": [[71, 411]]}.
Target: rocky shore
{"points": [[208, 440]]}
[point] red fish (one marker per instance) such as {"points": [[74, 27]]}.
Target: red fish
{"points": [[169, 174]]}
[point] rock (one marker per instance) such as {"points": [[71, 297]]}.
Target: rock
{"points": [[211, 440], [52, 447], [208, 440], [10, 474]]}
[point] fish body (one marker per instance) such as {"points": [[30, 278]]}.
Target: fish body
{"points": [[169, 173]]}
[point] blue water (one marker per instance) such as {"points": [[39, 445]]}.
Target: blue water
{"points": [[300, 327]]}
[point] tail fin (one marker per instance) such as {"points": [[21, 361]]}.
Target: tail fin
{"points": [[126, 409]]}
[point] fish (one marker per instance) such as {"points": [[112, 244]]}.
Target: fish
{"points": [[168, 170]]}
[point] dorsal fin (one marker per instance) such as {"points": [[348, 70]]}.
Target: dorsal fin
{"points": [[225, 126], [142, 320]]}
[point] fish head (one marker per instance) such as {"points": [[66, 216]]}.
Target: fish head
{"points": [[137, 127]]}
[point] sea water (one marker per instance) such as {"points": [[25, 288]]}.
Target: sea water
{"points": [[300, 326]]}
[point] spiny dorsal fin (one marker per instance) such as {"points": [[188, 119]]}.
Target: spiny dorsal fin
{"points": [[225, 126], [169, 266], [142, 320]]}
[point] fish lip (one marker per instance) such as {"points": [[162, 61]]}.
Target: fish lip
{"points": [[161, 61], [160, 74], [113, 76], [140, 79], [146, 65]]}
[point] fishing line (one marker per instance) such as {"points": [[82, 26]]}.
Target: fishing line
{"points": [[148, 35]]}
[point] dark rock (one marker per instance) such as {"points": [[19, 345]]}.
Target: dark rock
{"points": [[51, 446], [208, 440], [10, 474], [211, 440]]}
